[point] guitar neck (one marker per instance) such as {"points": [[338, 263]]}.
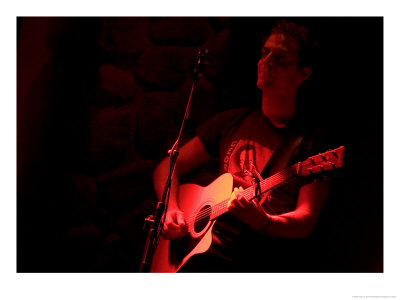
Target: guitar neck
{"points": [[266, 185]]}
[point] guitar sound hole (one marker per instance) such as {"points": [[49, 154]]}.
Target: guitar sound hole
{"points": [[202, 218]]}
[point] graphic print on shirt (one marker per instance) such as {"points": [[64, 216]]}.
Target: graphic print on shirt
{"points": [[228, 155], [243, 156]]}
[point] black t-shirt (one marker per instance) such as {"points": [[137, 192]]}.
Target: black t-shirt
{"points": [[241, 138], [244, 139]]}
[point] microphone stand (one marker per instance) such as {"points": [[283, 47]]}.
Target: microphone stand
{"points": [[154, 223]]}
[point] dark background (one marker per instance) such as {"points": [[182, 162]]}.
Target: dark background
{"points": [[100, 100]]}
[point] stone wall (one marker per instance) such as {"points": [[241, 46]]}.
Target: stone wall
{"points": [[113, 94]]}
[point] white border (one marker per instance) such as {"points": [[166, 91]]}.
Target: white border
{"points": [[196, 286]]}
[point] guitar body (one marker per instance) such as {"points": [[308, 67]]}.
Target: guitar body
{"points": [[196, 202], [202, 205]]}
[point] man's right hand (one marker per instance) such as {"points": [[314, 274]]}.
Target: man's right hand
{"points": [[175, 225]]}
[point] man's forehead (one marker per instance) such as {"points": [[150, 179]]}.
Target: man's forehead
{"points": [[281, 42]]}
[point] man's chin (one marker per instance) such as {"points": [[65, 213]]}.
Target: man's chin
{"points": [[260, 84], [263, 83]]}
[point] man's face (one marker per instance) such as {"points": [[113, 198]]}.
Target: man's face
{"points": [[277, 66]]}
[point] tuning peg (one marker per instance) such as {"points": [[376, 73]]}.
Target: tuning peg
{"points": [[312, 161], [323, 157]]}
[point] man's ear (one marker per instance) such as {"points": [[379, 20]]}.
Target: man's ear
{"points": [[304, 73]]}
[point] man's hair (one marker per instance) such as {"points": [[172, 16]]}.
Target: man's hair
{"points": [[302, 36]]}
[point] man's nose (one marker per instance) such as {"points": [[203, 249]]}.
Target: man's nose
{"points": [[268, 59]]}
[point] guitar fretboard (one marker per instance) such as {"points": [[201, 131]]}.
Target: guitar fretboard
{"points": [[266, 185]]}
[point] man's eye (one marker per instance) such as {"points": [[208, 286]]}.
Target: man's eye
{"points": [[264, 52], [280, 59]]}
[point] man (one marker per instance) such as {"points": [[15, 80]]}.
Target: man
{"points": [[245, 141]]}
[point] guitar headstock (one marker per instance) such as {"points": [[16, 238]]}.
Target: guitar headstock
{"points": [[327, 161]]}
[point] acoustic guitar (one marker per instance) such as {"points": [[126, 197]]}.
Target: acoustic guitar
{"points": [[203, 205]]}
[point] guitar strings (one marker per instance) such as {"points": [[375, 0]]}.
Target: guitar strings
{"points": [[217, 209], [248, 193]]}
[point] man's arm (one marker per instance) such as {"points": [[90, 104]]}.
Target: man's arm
{"points": [[301, 221], [191, 155], [295, 224]]}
